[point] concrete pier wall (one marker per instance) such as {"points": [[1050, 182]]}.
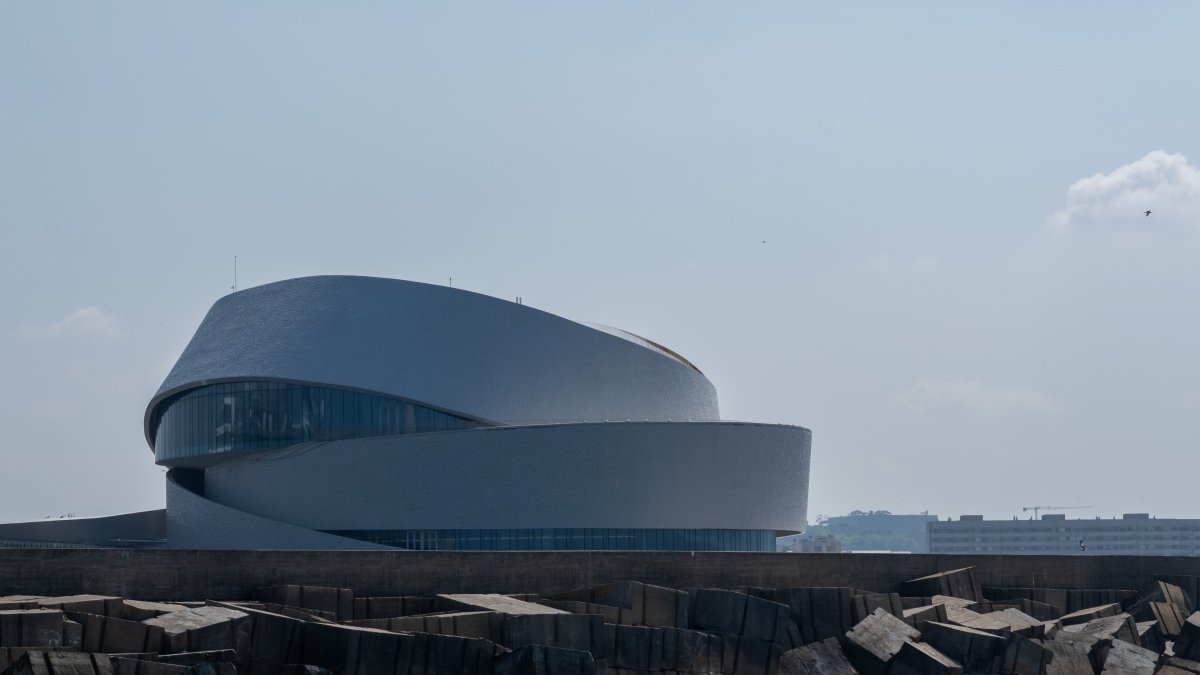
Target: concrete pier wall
{"points": [[191, 574]]}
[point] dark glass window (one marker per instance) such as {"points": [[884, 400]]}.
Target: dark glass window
{"points": [[569, 539], [258, 414]]}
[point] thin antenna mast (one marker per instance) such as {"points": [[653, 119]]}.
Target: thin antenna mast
{"points": [[234, 286]]}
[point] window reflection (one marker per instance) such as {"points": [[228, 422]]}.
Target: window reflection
{"points": [[258, 414]]}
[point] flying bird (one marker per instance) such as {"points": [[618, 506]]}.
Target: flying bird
{"points": [[1148, 213], [1082, 546]]}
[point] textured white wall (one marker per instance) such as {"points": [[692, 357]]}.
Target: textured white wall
{"points": [[627, 475], [460, 351]]}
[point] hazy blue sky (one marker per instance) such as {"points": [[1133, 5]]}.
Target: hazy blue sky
{"points": [[958, 292]]}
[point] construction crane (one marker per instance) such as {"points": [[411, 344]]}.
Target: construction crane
{"points": [[1035, 509]]}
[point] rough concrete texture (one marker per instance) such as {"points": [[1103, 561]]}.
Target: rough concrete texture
{"points": [[494, 602], [819, 658], [31, 628], [602, 628], [960, 583], [919, 658], [169, 575], [975, 650], [876, 639], [917, 615], [1187, 645], [638, 604], [1119, 627], [1127, 659], [1069, 657]]}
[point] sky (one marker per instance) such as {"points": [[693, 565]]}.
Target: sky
{"points": [[914, 228]]}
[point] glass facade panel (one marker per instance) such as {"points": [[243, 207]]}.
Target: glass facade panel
{"points": [[259, 414], [589, 539]]}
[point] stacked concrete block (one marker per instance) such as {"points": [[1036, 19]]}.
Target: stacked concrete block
{"points": [[104, 605], [1157, 593], [819, 658], [863, 604], [1168, 617], [486, 625], [917, 615], [583, 632], [273, 639], [818, 612], [203, 628], [31, 628], [140, 610], [1021, 656], [1089, 613], [610, 613], [733, 613], [1018, 622], [970, 619], [20, 602], [1174, 665], [638, 604], [60, 663], [108, 634], [1118, 627], [493, 602], [975, 650], [1065, 601], [960, 583], [919, 658], [294, 612], [540, 660], [1123, 658], [336, 601], [392, 606], [1187, 645], [657, 649], [873, 642], [755, 631], [1068, 657], [1151, 637], [349, 650], [132, 666]]}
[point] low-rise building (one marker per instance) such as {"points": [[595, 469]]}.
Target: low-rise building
{"points": [[1054, 534]]}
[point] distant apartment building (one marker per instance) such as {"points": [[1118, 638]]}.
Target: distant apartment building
{"points": [[1053, 534]]}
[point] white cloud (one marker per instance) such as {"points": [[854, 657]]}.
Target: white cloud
{"points": [[1160, 182], [83, 322], [975, 397]]}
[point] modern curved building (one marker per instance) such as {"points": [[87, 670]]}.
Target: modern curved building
{"points": [[343, 412]]}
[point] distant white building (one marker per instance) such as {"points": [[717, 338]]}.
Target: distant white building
{"points": [[1053, 534]]}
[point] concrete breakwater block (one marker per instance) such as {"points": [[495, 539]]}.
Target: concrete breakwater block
{"points": [[1088, 613], [336, 601], [108, 634], [975, 650], [638, 604], [486, 625], [960, 583], [747, 616], [819, 658], [920, 658], [31, 628], [391, 606], [203, 628], [873, 642], [818, 612], [60, 663]]}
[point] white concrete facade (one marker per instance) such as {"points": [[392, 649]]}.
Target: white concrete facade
{"points": [[527, 394]]}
